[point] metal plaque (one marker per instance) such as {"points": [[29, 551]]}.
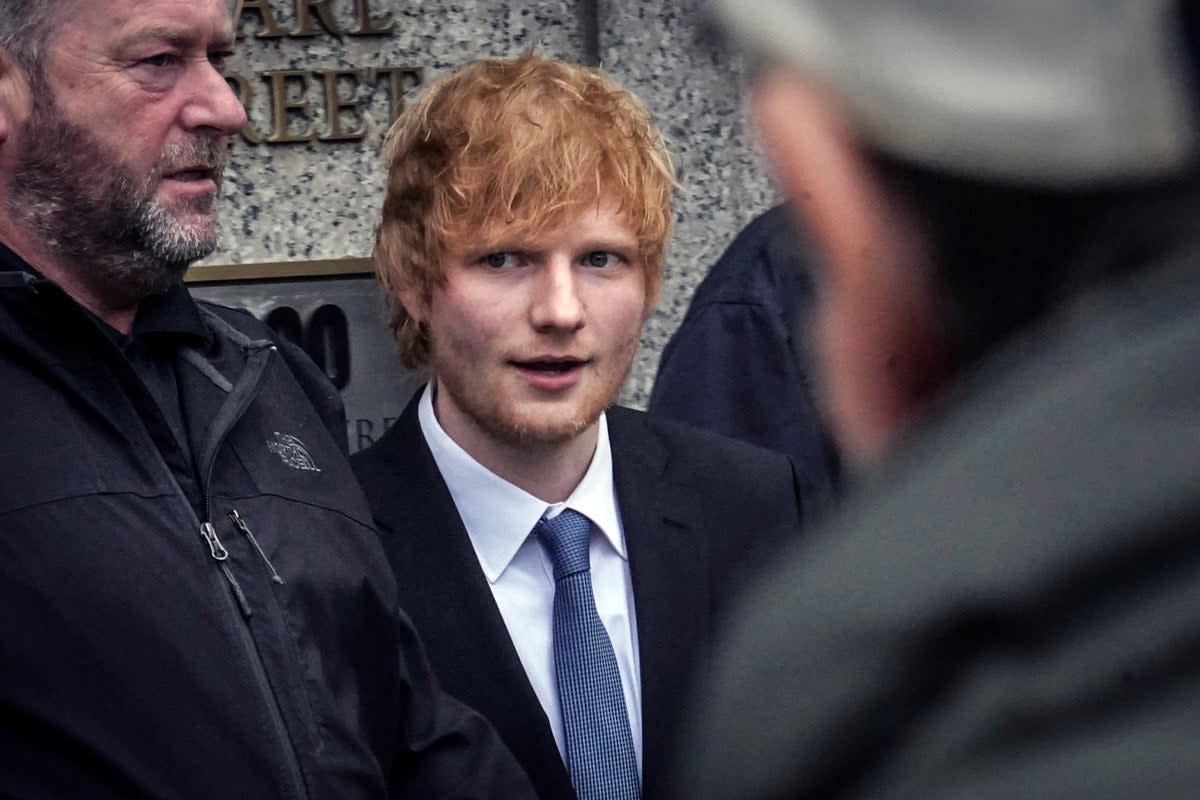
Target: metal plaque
{"points": [[334, 310]]}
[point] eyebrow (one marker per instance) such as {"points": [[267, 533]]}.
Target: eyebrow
{"points": [[610, 243], [601, 242], [174, 36]]}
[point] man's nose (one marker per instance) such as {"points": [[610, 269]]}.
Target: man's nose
{"points": [[556, 303], [212, 103]]}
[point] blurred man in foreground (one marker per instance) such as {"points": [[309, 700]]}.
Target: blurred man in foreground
{"points": [[194, 601], [1006, 195]]}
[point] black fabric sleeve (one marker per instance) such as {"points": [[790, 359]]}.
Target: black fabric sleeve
{"points": [[446, 749]]}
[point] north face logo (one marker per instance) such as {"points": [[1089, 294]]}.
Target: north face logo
{"points": [[292, 451]]}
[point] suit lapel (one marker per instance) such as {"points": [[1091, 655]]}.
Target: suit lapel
{"points": [[668, 558], [447, 595]]}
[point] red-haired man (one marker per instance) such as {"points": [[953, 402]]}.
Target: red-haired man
{"points": [[563, 559]]}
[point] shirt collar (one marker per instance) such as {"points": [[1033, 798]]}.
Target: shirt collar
{"points": [[172, 313], [499, 516], [11, 261]]}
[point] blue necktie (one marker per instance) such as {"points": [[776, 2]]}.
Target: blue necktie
{"points": [[600, 753]]}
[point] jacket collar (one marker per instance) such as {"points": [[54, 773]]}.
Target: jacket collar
{"points": [[170, 317]]}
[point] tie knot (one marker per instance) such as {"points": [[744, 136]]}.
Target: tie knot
{"points": [[566, 539]]}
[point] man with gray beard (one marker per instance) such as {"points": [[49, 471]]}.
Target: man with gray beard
{"points": [[195, 603], [109, 217]]}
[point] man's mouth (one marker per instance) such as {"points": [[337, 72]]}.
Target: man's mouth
{"points": [[550, 365], [192, 174]]}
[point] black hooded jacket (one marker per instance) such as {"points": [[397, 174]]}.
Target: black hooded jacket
{"points": [[213, 623]]}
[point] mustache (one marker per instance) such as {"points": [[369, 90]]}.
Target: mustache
{"points": [[202, 151]]}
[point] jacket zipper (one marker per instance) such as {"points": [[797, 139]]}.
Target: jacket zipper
{"points": [[245, 529], [215, 547], [219, 554]]}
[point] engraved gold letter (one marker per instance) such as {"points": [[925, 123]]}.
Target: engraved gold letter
{"points": [[304, 18], [269, 29], [283, 103], [367, 26], [401, 80], [335, 104], [245, 92]]}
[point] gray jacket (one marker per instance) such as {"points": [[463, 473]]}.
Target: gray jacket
{"points": [[1013, 609]]}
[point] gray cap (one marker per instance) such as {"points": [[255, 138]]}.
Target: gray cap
{"points": [[1061, 92]]}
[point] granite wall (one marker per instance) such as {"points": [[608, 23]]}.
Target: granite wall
{"points": [[306, 185]]}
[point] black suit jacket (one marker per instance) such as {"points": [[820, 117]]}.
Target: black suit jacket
{"points": [[698, 510]]}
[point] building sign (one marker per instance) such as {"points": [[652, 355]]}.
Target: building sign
{"points": [[289, 100], [334, 311]]}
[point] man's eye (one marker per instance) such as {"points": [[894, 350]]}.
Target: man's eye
{"points": [[159, 60], [500, 260], [601, 258], [220, 61]]}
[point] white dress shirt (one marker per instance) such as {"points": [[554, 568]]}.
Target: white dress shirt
{"points": [[499, 518]]}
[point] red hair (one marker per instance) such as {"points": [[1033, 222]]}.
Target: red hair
{"points": [[503, 148]]}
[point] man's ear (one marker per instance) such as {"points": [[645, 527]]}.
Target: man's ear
{"points": [[880, 330], [397, 277], [414, 300], [14, 94], [653, 293], [816, 162]]}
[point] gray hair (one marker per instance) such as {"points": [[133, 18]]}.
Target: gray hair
{"points": [[25, 28]]}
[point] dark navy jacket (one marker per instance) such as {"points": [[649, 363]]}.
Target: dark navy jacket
{"points": [[735, 365], [221, 623]]}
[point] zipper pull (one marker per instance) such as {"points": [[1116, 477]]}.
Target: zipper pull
{"points": [[214, 544], [245, 529]]}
